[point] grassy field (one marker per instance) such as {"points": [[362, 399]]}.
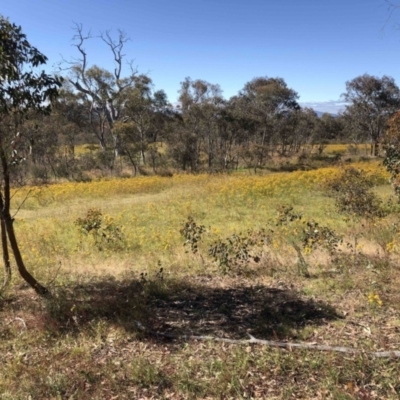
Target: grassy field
{"points": [[115, 286]]}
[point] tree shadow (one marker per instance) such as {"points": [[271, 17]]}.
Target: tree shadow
{"points": [[183, 307], [264, 312]]}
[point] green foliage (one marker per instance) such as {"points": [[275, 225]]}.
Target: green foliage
{"points": [[192, 234], [391, 145], [305, 236], [105, 233], [22, 93], [285, 215], [91, 222], [371, 102], [234, 252], [314, 235], [21, 89], [392, 164], [353, 195]]}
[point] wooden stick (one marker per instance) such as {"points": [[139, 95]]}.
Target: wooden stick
{"points": [[273, 343]]}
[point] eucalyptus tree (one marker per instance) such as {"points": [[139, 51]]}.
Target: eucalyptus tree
{"points": [[241, 130], [23, 90], [39, 147], [104, 91], [264, 100], [48, 141], [286, 138], [201, 103], [331, 125], [306, 132], [391, 144], [233, 133], [372, 101], [145, 112], [71, 117]]}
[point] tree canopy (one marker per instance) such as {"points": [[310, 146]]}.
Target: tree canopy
{"points": [[372, 101], [23, 91]]}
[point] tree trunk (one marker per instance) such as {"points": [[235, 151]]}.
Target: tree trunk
{"points": [[116, 145], [376, 148], [6, 256], [39, 289], [132, 162], [210, 155]]}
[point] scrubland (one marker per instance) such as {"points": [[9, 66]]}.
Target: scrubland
{"points": [[219, 255]]}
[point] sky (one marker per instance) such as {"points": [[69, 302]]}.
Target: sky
{"points": [[314, 45]]}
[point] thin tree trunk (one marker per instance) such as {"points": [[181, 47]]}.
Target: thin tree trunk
{"points": [[6, 256], [142, 146], [39, 289], [376, 148], [7, 223], [132, 162]]}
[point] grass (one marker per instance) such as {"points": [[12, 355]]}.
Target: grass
{"points": [[85, 342]]}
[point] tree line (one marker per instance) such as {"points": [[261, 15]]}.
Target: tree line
{"points": [[44, 117], [133, 125]]}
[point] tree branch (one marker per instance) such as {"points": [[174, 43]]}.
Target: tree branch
{"points": [[273, 343], [391, 8], [116, 48], [81, 39]]}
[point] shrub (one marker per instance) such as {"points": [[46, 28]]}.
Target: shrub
{"points": [[353, 195], [234, 252], [192, 234], [105, 233]]}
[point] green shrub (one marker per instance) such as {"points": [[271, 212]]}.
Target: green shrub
{"points": [[353, 195], [103, 230]]}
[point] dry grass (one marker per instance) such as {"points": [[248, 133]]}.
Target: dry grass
{"points": [[85, 342]]}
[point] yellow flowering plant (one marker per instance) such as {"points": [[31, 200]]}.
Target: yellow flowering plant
{"points": [[374, 299]]}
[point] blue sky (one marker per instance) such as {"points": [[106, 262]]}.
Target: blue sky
{"points": [[315, 45]]}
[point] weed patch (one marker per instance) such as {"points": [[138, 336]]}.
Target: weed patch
{"points": [[238, 274]]}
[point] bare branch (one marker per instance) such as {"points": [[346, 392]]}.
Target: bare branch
{"points": [[22, 203], [391, 8], [22, 321], [134, 70], [80, 38], [273, 343], [55, 275], [116, 48], [103, 90], [78, 86]]}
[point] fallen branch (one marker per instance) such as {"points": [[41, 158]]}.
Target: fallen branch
{"points": [[19, 319], [273, 343]]}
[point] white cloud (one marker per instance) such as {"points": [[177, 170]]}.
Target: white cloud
{"points": [[331, 106]]}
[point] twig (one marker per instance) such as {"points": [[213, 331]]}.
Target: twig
{"points": [[391, 9], [273, 343], [22, 203], [19, 319], [55, 275]]}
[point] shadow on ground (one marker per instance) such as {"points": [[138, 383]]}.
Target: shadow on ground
{"points": [[183, 307], [233, 312]]}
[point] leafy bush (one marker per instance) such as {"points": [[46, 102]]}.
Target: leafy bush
{"points": [[192, 234], [391, 145], [353, 195], [234, 252], [305, 236], [105, 233], [314, 236]]}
